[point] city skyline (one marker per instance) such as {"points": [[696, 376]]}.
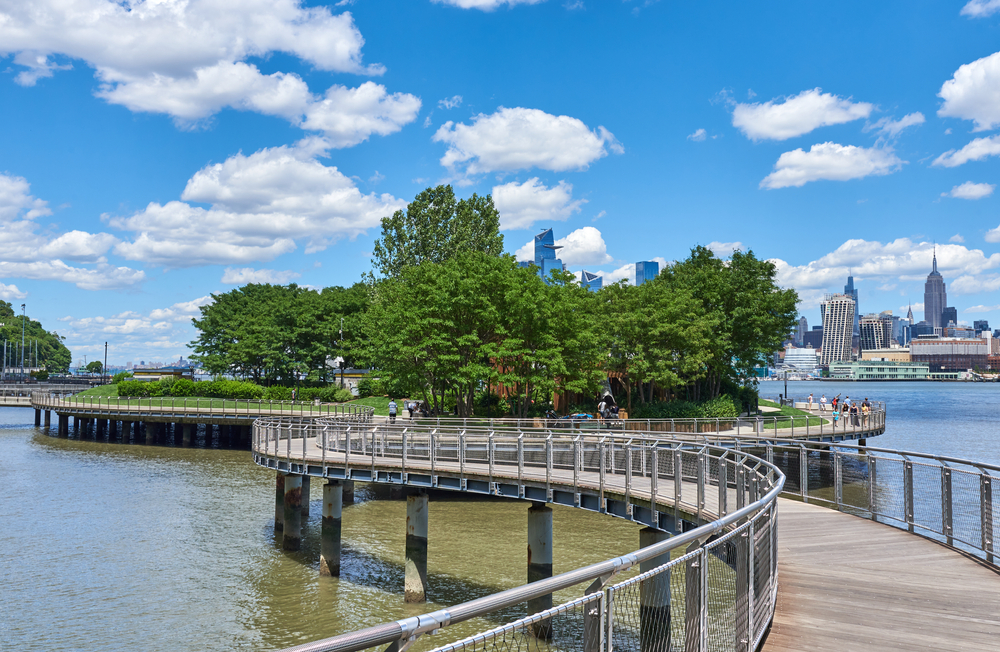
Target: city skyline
{"points": [[153, 156]]}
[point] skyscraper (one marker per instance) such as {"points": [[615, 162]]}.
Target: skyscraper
{"points": [[800, 332], [646, 270], [852, 292], [935, 297], [545, 254], [876, 331], [949, 316], [838, 322], [592, 282]]}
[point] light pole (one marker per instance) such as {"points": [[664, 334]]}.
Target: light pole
{"points": [[22, 342], [104, 369]]}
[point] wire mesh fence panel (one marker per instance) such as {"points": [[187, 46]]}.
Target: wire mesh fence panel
{"points": [[821, 475], [927, 496], [647, 612], [966, 507], [854, 480], [786, 458], [889, 491], [572, 627], [762, 573], [727, 605]]}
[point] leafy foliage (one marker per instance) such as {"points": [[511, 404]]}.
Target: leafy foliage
{"points": [[52, 353]]}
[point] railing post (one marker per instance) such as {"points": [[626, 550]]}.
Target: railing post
{"points": [[908, 493], [946, 504], [986, 513], [804, 473], [628, 476], [603, 454], [491, 454], [402, 467], [702, 477], [723, 486], [520, 461], [548, 468], [872, 486], [577, 458], [838, 478]]}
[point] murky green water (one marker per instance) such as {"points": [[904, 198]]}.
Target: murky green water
{"points": [[111, 547]]}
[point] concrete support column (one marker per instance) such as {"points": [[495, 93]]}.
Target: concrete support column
{"points": [[48, 418], [136, 431], [279, 501], [305, 496], [415, 587], [329, 547], [540, 563], [76, 426], [63, 427], [348, 492], [102, 428], [188, 434], [112, 429], [208, 435], [126, 431], [38, 418], [654, 597], [291, 538], [151, 428]]}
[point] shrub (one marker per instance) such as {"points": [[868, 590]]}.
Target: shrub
{"points": [[722, 407], [120, 376], [342, 395], [365, 388], [182, 387], [133, 388], [277, 393]]}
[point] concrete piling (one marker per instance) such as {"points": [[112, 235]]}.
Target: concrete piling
{"points": [[112, 430], [188, 435], [415, 586], [540, 563], [654, 597], [333, 504], [63, 428], [279, 501], [305, 496], [76, 426], [38, 418], [348, 492], [48, 418], [151, 427], [291, 538]]}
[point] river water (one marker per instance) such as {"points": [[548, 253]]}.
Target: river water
{"points": [[111, 547]]}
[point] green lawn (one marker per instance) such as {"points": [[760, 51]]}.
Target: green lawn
{"points": [[800, 417], [380, 403], [100, 390]]}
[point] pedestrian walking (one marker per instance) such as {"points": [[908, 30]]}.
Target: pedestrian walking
{"points": [[294, 394], [410, 407], [822, 403], [392, 410]]}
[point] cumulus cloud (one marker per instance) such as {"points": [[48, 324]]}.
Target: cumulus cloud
{"points": [[973, 93], [976, 150], [244, 275], [957, 238], [891, 128], [585, 246], [975, 284], [980, 8], [523, 204], [981, 308], [698, 135], [182, 311], [724, 249], [993, 235], [10, 292], [901, 259], [969, 190], [26, 253], [450, 102], [518, 138], [832, 162], [796, 115], [188, 60], [260, 205], [486, 5]]}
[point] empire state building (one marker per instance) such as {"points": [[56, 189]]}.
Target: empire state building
{"points": [[935, 298]]}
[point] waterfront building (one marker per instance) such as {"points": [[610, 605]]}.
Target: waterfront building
{"points": [[892, 354], [813, 338], [950, 354], [803, 359], [852, 292], [935, 297], [646, 270], [837, 311], [880, 370], [592, 282]]}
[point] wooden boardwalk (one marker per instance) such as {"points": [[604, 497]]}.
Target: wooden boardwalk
{"points": [[845, 583]]}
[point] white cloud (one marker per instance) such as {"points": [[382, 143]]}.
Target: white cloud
{"points": [[182, 311], [347, 116], [832, 162], [969, 190], [188, 59], [9, 292], [980, 8], [981, 308], [486, 5], [698, 136], [892, 128], [518, 138], [450, 102], [901, 259], [585, 246], [968, 284], [260, 205], [993, 235], [245, 275], [724, 249], [796, 115], [976, 150], [956, 238], [915, 307], [974, 93], [523, 204], [102, 277]]}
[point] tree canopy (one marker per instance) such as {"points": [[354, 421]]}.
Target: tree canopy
{"points": [[51, 351]]}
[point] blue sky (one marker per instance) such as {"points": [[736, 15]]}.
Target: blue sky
{"points": [[156, 152]]}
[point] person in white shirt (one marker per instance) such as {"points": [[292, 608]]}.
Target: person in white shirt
{"points": [[822, 403]]}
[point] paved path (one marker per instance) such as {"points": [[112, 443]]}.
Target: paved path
{"points": [[845, 583]]}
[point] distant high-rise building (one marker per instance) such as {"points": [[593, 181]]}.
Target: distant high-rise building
{"points": [[980, 325], [874, 334], [949, 316], [935, 297], [852, 292], [838, 322], [545, 254], [646, 270], [800, 332], [592, 282], [814, 338]]}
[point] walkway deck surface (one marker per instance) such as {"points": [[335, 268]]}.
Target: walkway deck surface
{"points": [[845, 583]]}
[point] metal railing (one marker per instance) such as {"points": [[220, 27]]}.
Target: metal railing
{"points": [[251, 408], [719, 594]]}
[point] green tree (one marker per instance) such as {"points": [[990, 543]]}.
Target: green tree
{"points": [[435, 227], [42, 348], [94, 367]]}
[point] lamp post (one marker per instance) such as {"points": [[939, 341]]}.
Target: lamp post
{"points": [[22, 342], [104, 369]]}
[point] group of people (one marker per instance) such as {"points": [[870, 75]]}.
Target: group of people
{"points": [[607, 408], [411, 407], [847, 410]]}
